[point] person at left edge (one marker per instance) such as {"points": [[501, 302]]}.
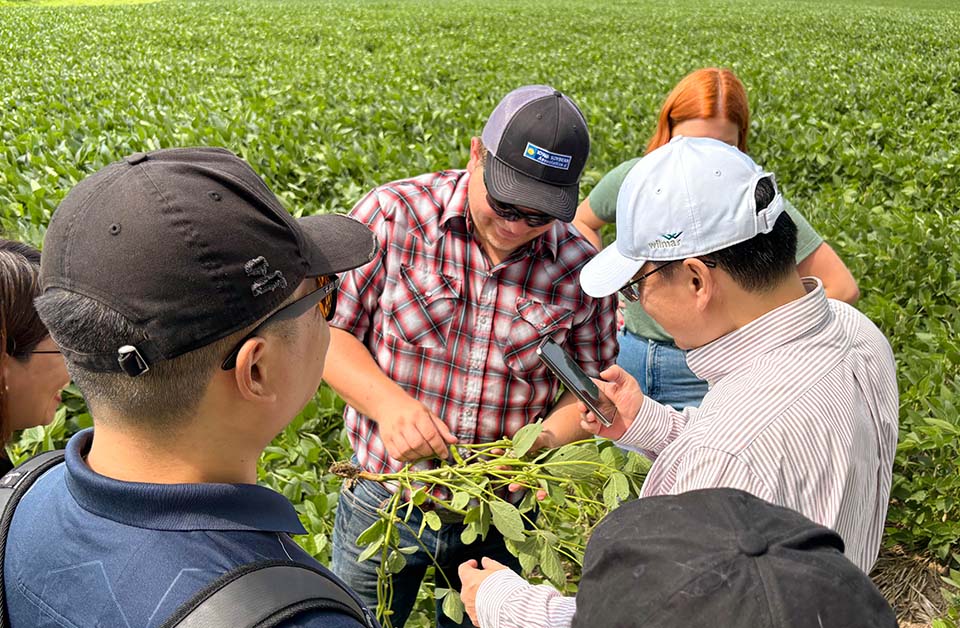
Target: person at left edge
{"points": [[32, 372], [434, 342], [190, 309]]}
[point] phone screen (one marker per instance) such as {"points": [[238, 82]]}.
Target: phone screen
{"points": [[572, 376]]}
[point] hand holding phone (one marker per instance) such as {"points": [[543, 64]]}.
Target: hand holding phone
{"points": [[572, 377]]}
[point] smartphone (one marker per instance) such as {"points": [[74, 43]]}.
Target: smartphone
{"points": [[572, 377]]}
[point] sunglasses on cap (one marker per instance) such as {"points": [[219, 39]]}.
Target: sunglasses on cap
{"points": [[512, 214], [324, 297]]}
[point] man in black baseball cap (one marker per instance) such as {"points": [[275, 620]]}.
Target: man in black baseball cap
{"points": [[710, 558], [191, 310], [435, 341]]}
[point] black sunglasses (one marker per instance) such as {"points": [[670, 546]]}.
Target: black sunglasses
{"points": [[511, 213], [631, 291], [324, 297]]}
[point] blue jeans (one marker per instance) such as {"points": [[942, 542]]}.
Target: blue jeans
{"points": [[356, 511], [662, 371]]}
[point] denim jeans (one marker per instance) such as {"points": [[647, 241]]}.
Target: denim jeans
{"points": [[661, 369], [356, 511]]}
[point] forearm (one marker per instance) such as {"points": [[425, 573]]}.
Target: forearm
{"points": [[592, 235], [353, 373], [588, 224], [838, 281], [563, 422]]}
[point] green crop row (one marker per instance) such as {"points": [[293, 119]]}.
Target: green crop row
{"points": [[855, 108]]}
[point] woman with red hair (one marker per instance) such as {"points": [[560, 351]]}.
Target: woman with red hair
{"points": [[710, 102]]}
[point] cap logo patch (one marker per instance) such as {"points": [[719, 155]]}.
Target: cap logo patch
{"points": [[546, 158], [666, 241], [267, 281]]}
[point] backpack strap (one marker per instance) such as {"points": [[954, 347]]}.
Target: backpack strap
{"points": [[13, 486], [265, 593]]}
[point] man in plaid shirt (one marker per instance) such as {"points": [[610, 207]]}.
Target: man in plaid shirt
{"points": [[435, 340]]}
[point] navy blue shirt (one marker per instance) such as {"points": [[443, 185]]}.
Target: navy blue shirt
{"points": [[88, 551]]}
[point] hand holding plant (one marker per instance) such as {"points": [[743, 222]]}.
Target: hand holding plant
{"points": [[471, 577], [410, 431]]}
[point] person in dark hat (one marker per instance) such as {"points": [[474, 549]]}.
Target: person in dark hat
{"points": [[191, 310], [714, 558], [435, 340]]}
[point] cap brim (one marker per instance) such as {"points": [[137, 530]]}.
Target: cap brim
{"points": [[510, 186], [608, 271], [338, 242]]}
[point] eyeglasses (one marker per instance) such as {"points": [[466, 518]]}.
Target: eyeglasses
{"points": [[511, 213], [631, 291], [324, 297], [22, 354]]}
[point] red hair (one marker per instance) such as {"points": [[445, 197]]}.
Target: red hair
{"points": [[704, 93]]}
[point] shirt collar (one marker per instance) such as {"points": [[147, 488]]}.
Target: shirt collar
{"points": [[183, 507], [457, 208], [790, 321]]}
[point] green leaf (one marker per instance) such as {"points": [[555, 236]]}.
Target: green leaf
{"points": [[616, 490], [612, 456], [396, 561], [453, 606], [555, 492], [370, 550], [419, 496], [320, 542], [551, 567], [507, 520], [433, 520], [460, 500], [575, 461], [469, 534], [946, 426], [483, 525], [528, 552], [525, 437], [374, 532]]}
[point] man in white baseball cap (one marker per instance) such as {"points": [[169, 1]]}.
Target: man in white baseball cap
{"points": [[802, 407]]}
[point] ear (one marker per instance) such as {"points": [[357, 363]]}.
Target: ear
{"points": [[252, 373], [476, 154], [701, 281]]}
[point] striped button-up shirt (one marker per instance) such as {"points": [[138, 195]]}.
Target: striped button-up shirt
{"points": [[802, 411], [456, 332]]}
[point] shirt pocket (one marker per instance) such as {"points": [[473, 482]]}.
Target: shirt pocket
{"points": [[532, 322], [422, 306]]}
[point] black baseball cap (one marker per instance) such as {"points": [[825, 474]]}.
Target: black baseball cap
{"points": [[538, 143], [721, 558], [189, 245]]}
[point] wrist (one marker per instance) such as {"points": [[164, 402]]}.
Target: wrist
{"points": [[391, 404]]}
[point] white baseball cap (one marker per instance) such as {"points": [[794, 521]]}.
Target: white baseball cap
{"points": [[690, 197]]}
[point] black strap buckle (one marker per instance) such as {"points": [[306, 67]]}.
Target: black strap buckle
{"points": [[131, 361]]}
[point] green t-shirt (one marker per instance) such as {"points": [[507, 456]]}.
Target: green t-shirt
{"points": [[603, 202]]}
